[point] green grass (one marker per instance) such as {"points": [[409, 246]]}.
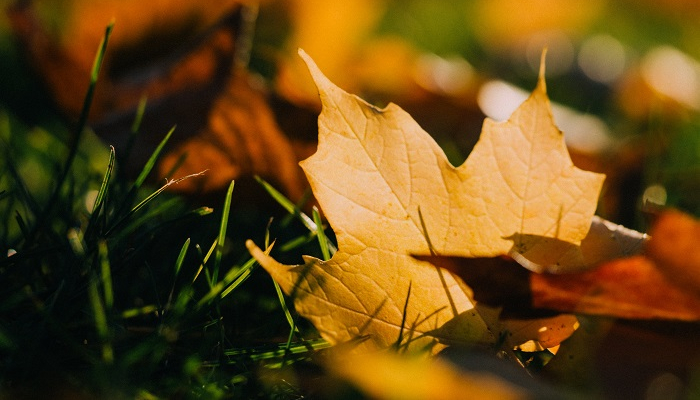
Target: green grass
{"points": [[107, 291], [108, 301]]}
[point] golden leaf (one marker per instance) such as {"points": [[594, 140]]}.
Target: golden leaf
{"points": [[388, 191]]}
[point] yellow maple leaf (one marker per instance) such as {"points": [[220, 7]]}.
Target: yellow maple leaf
{"points": [[388, 191]]}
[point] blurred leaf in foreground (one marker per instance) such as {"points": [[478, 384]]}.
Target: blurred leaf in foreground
{"points": [[383, 375]]}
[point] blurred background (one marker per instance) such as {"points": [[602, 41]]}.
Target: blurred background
{"points": [[623, 77]]}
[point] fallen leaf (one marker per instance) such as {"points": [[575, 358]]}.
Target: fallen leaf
{"points": [[627, 288], [388, 191], [631, 288], [62, 48], [383, 375], [224, 123], [225, 127], [545, 333]]}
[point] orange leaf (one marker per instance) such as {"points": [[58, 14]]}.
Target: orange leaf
{"points": [[626, 288], [674, 248]]}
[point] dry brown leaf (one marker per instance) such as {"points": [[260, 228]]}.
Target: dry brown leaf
{"points": [[633, 357], [544, 332], [625, 288], [663, 283], [223, 118], [144, 43], [230, 131], [387, 190], [609, 358]]}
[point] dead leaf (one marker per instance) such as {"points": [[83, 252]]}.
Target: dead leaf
{"points": [[388, 191], [631, 288], [225, 127], [146, 39], [627, 288], [544, 332], [224, 122]]}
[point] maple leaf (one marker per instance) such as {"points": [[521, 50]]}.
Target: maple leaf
{"points": [[388, 191]]}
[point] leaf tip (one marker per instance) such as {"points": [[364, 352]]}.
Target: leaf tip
{"points": [[253, 249], [303, 54], [257, 252], [315, 71], [541, 81]]}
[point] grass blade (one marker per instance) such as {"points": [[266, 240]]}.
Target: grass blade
{"points": [[239, 278], [140, 111], [283, 303], [181, 257], [222, 233], [101, 194], [135, 126], [322, 240], [204, 262], [178, 265], [148, 167], [82, 122], [297, 242], [279, 350], [22, 225], [106, 273], [233, 278], [287, 204], [152, 160], [137, 312], [397, 344], [20, 186], [100, 317], [293, 209]]}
